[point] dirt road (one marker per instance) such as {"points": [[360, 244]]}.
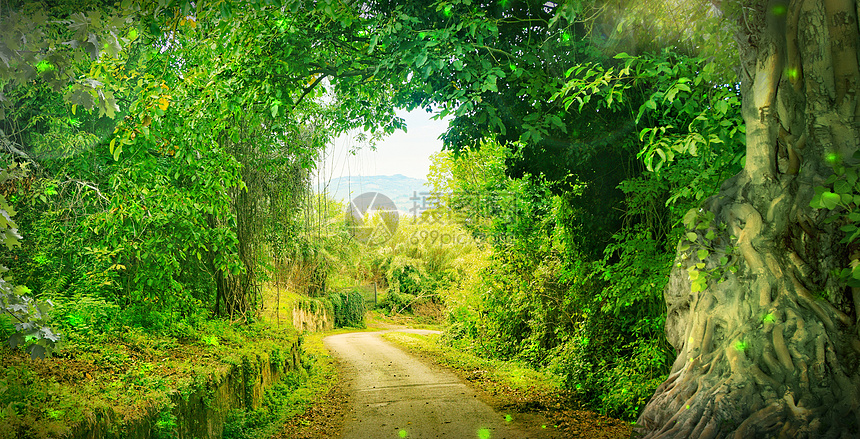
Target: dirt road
{"points": [[396, 395]]}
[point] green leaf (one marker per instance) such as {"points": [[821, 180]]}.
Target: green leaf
{"points": [[830, 200], [703, 254], [421, 59], [226, 10], [692, 236], [373, 41], [841, 187], [690, 218]]}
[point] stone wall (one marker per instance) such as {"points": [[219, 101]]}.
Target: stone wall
{"points": [[201, 412], [312, 318]]}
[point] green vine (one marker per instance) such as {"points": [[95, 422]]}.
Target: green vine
{"points": [[348, 308], [841, 195], [701, 243]]}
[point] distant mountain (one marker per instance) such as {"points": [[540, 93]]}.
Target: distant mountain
{"points": [[399, 188]]}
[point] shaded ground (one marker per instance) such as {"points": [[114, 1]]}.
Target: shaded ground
{"points": [[323, 420]]}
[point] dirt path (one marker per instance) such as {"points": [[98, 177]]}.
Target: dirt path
{"points": [[396, 395]]}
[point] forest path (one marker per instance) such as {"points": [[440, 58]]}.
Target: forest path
{"points": [[396, 395]]}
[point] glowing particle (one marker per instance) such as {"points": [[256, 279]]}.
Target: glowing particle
{"points": [[447, 11], [509, 418], [688, 406], [792, 73], [565, 36], [513, 67], [768, 318], [402, 433], [779, 10], [484, 433], [44, 65], [543, 426], [832, 158], [741, 346]]}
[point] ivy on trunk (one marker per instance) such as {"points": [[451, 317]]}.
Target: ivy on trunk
{"points": [[770, 347]]}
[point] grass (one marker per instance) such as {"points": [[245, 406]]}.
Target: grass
{"points": [[491, 375], [128, 373], [285, 404], [125, 373], [515, 388]]}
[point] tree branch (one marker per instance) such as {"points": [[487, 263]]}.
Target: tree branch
{"points": [[13, 148], [308, 89]]}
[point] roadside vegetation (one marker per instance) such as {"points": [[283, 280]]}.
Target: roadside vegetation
{"points": [[515, 389], [602, 213]]}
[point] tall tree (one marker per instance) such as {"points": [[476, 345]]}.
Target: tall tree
{"points": [[768, 342]]}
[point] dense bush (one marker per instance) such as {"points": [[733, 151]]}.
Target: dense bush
{"points": [[348, 307], [575, 284]]}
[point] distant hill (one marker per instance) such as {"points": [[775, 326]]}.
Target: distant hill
{"points": [[399, 188]]}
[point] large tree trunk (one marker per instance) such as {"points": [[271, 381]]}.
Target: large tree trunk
{"points": [[772, 349]]}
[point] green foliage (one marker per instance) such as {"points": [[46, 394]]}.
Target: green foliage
{"points": [[86, 316], [395, 302], [280, 401], [575, 283], [699, 244], [618, 381], [841, 195], [165, 424], [348, 308], [30, 317], [175, 143]]}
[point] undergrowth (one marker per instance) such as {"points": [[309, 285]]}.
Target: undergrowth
{"points": [[493, 375], [123, 374]]}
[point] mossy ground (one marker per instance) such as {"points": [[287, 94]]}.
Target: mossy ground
{"points": [[130, 373], [126, 372]]}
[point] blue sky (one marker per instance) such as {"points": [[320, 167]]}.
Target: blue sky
{"points": [[401, 153]]}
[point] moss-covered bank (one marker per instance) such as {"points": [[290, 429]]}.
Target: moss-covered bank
{"points": [[142, 385]]}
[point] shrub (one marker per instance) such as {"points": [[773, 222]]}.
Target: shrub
{"points": [[348, 307], [83, 316], [394, 302]]}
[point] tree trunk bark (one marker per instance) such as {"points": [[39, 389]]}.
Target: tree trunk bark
{"points": [[770, 347]]}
